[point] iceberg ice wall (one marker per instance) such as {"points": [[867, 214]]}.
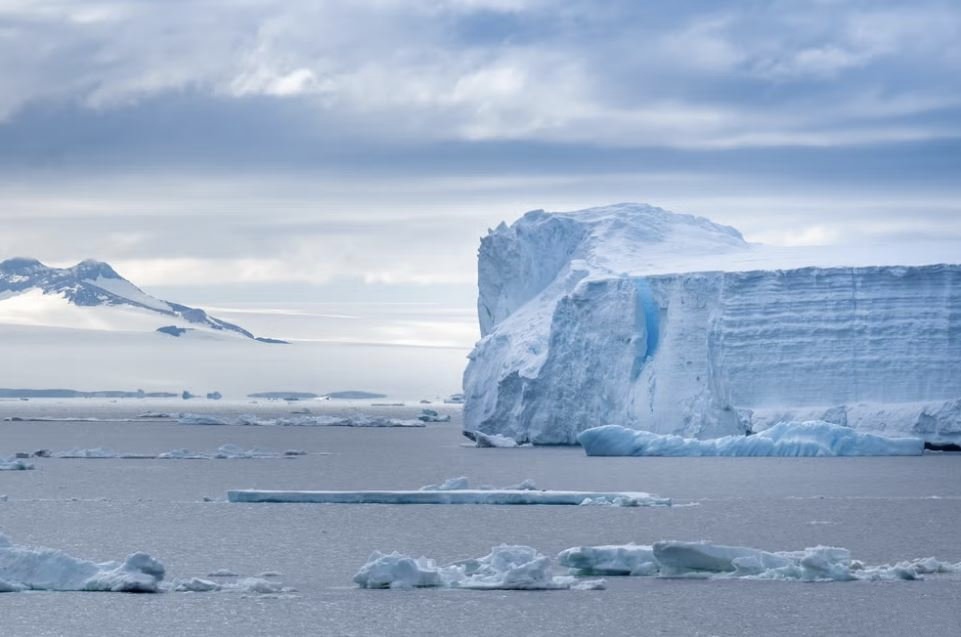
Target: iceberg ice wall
{"points": [[636, 316]]}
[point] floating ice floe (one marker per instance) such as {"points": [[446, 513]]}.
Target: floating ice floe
{"points": [[14, 464], [519, 496], [224, 452], [461, 483], [504, 568], [674, 559], [257, 585], [26, 568], [811, 438], [431, 415], [357, 420]]}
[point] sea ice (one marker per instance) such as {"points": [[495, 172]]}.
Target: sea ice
{"points": [[355, 420], [462, 496], [676, 559], [625, 559], [431, 415], [28, 568], [812, 438], [504, 568], [14, 464], [224, 452]]}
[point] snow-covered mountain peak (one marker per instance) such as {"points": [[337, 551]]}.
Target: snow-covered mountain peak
{"points": [[93, 295]]}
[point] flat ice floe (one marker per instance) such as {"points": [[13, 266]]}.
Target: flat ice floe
{"points": [[675, 559], [811, 438], [355, 420], [27, 568], [518, 496], [504, 568], [224, 452]]}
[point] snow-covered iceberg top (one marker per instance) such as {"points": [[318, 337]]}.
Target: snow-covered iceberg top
{"points": [[520, 496], [27, 568], [671, 323], [718, 561], [504, 568], [813, 438]]}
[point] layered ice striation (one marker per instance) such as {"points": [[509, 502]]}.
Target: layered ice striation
{"points": [[635, 316]]}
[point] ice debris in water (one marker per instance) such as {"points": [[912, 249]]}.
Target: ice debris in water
{"points": [[27, 568], [355, 420], [504, 568], [811, 438], [461, 483], [451, 496], [431, 415], [493, 440], [24, 568], [675, 559], [224, 452], [14, 464]]}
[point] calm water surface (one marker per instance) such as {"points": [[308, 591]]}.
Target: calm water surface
{"points": [[883, 509]]}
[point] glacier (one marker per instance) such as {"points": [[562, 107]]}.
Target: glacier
{"points": [[635, 316]]}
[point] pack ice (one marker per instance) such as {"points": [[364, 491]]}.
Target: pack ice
{"points": [[28, 568], [635, 316]]}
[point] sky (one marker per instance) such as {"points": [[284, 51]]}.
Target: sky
{"points": [[266, 151]]}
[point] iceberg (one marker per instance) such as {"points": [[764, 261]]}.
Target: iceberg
{"points": [[704, 560], [520, 496], [27, 568], [14, 464], [673, 324], [624, 559], [504, 568], [814, 438]]}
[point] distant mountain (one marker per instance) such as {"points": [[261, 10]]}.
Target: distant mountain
{"points": [[32, 289]]}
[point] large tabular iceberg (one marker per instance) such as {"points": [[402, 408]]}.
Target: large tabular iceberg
{"points": [[636, 316]]}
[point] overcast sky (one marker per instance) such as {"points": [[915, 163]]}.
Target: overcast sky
{"points": [[218, 150]]}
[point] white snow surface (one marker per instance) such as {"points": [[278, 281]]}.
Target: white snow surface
{"points": [[669, 323], [504, 568], [28, 568], [813, 438], [717, 561], [523, 495]]}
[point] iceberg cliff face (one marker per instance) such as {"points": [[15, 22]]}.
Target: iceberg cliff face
{"points": [[635, 316]]}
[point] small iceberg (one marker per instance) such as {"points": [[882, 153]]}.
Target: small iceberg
{"points": [[27, 568], [431, 415], [224, 452], [519, 496], [15, 464], [794, 439], [704, 560], [504, 568]]}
